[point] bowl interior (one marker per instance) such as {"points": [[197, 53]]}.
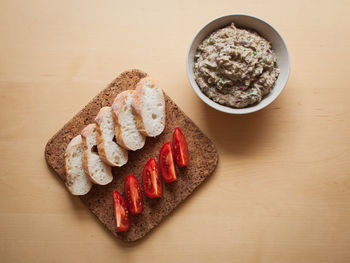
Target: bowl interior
{"points": [[266, 31]]}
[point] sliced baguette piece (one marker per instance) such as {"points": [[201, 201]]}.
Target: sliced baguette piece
{"points": [[110, 152], [99, 172], [126, 132], [77, 181], [149, 107]]}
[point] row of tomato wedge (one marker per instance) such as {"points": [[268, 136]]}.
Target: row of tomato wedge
{"points": [[151, 180]]}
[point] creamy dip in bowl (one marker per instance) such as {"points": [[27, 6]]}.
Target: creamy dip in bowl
{"points": [[238, 64]]}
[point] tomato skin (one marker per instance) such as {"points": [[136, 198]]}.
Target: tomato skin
{"points": [[180, 148], [133, 194], [151, 181], [121, 213], [166, 163]]}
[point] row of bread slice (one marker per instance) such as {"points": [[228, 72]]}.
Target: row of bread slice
{"points": [[134, 115]]}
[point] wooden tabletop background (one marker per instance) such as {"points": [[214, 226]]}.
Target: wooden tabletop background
{"points": [[281, 191]]}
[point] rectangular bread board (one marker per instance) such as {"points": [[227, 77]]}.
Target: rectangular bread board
{"points": [[203, 160]]}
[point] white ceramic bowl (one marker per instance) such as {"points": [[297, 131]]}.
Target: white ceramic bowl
{"points": [[266, 31]]}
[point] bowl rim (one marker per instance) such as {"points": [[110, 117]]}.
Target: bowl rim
{"points": [[218, 106]]}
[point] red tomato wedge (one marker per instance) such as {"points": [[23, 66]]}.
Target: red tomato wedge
{"points": [[151, 181], [166, 163], [133, 194], [121, 213], [180, 148]]}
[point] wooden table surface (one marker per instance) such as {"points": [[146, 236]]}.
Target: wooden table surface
{"points": [[281, 191]]}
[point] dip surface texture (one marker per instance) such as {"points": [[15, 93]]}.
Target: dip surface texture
{"points": [[235, 67]]}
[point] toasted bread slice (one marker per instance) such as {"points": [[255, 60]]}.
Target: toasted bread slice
{"points": [[110, 152], [99, 172], [126, 132], [149, 107]]}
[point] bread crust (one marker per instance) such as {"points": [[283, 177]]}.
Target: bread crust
{"points": [[117, 106], [136, 105], [84, 134], [137, 99], [100, 138], [74, 142], [86, 131]]}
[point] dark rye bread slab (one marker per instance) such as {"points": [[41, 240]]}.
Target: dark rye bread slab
{"points": [[203, 160]]}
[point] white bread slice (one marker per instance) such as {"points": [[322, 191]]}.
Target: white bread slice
{"points": [[126, 132], [110, 152], [99, 172], [149, 107], [77, 181]]}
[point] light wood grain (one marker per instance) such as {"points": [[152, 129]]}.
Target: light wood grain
{"points": [[281, 192]]}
